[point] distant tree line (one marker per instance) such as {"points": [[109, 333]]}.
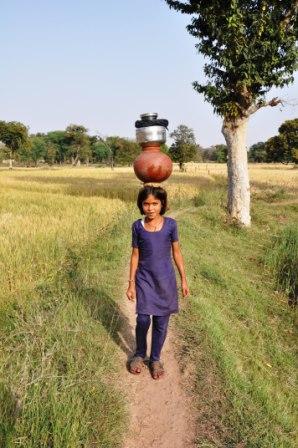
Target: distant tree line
{"points": [[216, 153], [70, 146], [74, 146], [280, 148]]}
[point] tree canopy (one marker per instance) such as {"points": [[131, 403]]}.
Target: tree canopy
{"points": [[279, 148], [58, 146], [14, 135], [250, 47], [284, 146], [184, 147], [123, 150], [257, 153], [78, 142]]}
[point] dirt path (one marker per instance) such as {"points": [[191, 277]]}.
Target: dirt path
{"points": [[161, 413]]}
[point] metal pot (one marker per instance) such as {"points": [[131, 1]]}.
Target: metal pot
{"points": [[151, 134], [149, 116]]}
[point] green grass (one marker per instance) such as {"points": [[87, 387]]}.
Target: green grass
{"points": [[282, 258], [237, 329], [64, 244]]}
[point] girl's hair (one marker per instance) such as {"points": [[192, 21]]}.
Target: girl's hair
{"points": [[157, 192]]}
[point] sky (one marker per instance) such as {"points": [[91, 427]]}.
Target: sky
{"points": [[101, 64]]}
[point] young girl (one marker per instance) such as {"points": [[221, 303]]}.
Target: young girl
{"points": [[152, 280]]}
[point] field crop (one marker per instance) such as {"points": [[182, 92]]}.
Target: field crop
{"points": [[64, 245]]}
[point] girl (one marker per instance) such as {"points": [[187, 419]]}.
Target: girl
{"points": [[152, 280]]}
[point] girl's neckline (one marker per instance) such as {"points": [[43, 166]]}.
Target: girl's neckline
{"points": [[156, 231]]}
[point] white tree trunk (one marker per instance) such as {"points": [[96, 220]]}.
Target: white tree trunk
{"points": [[10, 159], [75, 160], [238, 179]]}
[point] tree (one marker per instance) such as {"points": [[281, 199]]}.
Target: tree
{"points": [[58, 146], [78, 143], [250, 47], [289, 131], [51, 152], [216, 153], [284, 146], [199, 154], [36, 150], [221, 153], [275, 149], [14, 135], [257, 153], [39, 148], [131, 149], [123, 150], [209, 154], [184, 147], [100, 151]]}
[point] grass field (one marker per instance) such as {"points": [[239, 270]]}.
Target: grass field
{"points": [[64, 244]]}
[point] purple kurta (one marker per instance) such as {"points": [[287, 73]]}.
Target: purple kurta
{"points": [[156, 286]]}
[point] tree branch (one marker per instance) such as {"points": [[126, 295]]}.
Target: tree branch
{"points": [[254, 107], [185, 8], [290, 14]]}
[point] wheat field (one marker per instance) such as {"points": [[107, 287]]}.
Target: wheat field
{"points": [[64, 240]]}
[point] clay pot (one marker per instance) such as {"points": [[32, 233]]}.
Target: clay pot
{"points": [[152, 165]]}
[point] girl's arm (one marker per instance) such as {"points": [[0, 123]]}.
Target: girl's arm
{"points": [[177, 255], [134, 261]]}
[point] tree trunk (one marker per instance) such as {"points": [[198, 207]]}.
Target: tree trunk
{"points": [[75, 160], [234, 132], [181, 166], [10, 160]]}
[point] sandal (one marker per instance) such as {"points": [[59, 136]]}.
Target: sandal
{"points": [[136, 364], [156, 369]]}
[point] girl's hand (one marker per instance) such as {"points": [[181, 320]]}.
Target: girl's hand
{"points": [[131, 293], [185, 288]]}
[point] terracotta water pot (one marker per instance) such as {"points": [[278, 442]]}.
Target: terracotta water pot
{"points": [[152, 165]]}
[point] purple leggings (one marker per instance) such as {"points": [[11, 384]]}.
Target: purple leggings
{"points": [[159, 332]]}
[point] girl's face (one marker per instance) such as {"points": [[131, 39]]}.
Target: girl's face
{"points": [[151, 206]]}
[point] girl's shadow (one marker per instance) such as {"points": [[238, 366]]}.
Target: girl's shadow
{"points": [[103, 308]]}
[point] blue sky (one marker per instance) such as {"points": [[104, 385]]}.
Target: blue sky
{"points": [[101, 64]]}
